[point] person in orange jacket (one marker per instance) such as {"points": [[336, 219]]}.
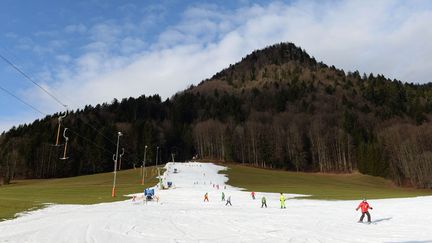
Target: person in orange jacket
{"points": [[206, 197], [364, 206]]}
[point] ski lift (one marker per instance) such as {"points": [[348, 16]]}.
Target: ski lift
{"points": [[59, 127], [121, 155], [66, 143]]}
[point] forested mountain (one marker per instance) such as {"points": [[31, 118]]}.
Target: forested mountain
{"points": [[277, 108]]}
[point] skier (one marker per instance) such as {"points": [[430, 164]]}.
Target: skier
{"points": [[253, 195], [364, 206], [223, 196], [282, 200], [228, 201], [206, 197], [263, 202]]}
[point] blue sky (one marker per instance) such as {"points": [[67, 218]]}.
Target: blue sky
{"points": [[89, 52]]}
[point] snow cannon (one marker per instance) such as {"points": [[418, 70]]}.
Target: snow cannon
{"points": [[149, 193]]}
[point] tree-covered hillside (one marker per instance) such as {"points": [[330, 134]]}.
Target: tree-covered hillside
{"points": [[277, 108]]}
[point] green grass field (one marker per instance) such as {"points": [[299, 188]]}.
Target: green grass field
{"points": [[317, 185], [23, 195]]}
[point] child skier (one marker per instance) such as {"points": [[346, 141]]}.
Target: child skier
{"points": [[228, 201], [364, 206], [223, 196], [263, 202], [253, 195], [206, 197], [282, 200]]}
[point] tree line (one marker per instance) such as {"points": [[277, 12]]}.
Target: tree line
{"points": [[277, 108]]}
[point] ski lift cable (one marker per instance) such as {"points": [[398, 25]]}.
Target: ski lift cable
{"points": [[46, 91], [31, 80], [11, 56], [22, 101], [132, 157], [30, 74], [89, 140], [55, 98], [34, 108], [99, 132]]}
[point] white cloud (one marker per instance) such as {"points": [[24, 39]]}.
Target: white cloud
{"points": [[129, 45], [49, 33], [63, 58], [105, 32], [388, 37], [11, 35], [25, 43], [76, 28]]}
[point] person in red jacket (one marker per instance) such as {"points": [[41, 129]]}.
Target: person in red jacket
{"points": [[364, 206]]}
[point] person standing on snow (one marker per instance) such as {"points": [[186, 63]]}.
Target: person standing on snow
{"points": [[253, 195], [263, 202], [206, 197], [364, 206], [228, 201], [223, 196], [282, 200]]}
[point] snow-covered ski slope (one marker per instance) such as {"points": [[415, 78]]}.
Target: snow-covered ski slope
{"points": [[182, 216]]}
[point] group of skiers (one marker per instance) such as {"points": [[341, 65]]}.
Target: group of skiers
{"points": [[228, 199], [263, 199], [364, 205]]}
